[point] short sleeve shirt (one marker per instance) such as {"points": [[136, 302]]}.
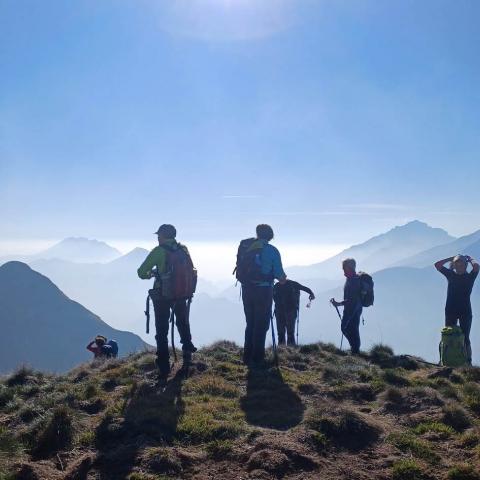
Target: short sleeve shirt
{"points": [[459, 290]]}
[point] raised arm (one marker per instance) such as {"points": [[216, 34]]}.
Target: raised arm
{"points": [[89, 346], [474, 264], [441, 263]]}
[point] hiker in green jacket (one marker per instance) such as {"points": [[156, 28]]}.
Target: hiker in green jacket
{"points": [[155, 265]]}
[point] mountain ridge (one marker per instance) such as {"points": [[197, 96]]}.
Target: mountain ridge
{"points": [[41, 326]]}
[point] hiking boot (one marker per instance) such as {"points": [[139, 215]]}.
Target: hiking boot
{"points": [[187, 357], [189, 347]]}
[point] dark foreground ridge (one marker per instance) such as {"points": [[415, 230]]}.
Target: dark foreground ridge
{"points": [[321, 414]]}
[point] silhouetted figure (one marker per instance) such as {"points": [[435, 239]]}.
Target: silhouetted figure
{"points": [[458, 308], [258, 264], [166, 303], [287, 303], [352, 305]]}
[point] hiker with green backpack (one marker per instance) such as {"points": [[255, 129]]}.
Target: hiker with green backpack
{"points": [[458, 308], [175, 282], [258, 264], [357, 293]]}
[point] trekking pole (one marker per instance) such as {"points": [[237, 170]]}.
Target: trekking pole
{"points": [[340, 317], [298, 321], [147, 313], [274, 343]]}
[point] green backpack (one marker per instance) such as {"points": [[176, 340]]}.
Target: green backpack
{"points": [[452, 347]]}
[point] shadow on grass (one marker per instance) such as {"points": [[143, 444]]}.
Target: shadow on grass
{"points": [[150, 417], [270, 402]]}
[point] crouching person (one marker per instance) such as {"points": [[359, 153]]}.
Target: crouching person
{"points": [[101, 348]]}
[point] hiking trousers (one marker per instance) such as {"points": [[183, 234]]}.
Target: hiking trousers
{"points": [[286, 318], [351, 328], [257, 304], [163, 309], [465, 320]]}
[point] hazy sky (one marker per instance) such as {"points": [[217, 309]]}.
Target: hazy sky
{"points": [[331, 120]]}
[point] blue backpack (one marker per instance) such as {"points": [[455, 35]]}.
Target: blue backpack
{"points": [[110, 349]]}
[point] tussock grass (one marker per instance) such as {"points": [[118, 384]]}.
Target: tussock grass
{"points": [[463, 472], [21, 376], [407, 470], [443, 431], [471, 395], [407, 442], [456, 417], [344, 428], [219, 449]]}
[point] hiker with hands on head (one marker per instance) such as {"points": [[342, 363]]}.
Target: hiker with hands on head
{"points": [[458, 308], [258, 264], [175, 281], [287, 304], [101, 348], [352, 305]]}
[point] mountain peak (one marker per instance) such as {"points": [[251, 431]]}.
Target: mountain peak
{"points": [[80, 249]]}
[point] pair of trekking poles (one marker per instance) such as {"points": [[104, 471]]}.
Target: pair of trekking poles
{"points": [[274, 343], [171, 321]]}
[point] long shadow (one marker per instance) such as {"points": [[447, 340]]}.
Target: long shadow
{"points": [[150, 418], [270, 402]]}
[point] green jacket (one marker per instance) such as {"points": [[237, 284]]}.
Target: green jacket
{"points": [[157, 258]]}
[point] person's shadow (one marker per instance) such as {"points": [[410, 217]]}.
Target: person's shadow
{"points": [[270, 402], [150, 416]]}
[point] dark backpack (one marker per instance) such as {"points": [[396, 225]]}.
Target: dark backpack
{"points": [[367, 296], [249, 263], [113, 351], [179, 281]]}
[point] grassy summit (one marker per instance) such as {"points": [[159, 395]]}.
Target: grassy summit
{"points": [[321, 414]]}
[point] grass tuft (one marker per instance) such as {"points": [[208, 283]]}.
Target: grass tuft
{"points": [[407, 442], [407, 470], [463, 472]]}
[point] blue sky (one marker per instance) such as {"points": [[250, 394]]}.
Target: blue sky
{"points": [[331, 120]]}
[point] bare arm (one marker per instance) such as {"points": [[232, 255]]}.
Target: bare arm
{"points": [[441, 263]]}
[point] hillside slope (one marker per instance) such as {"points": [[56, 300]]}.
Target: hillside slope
{"points": [[44, 328], [321, 414]]}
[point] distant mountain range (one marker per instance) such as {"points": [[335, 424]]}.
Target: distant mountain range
{"points": [[42, 327], [73, 249], [379, 252], [468, 244], [408, 311]]}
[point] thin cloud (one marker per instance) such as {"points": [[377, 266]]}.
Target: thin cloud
{"points": [[240, 196], [378, 206]]}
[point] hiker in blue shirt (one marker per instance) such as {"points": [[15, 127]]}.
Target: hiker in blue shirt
{"points": [[258, 264]]}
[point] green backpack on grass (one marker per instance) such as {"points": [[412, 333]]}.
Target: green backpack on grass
{"points": [[452, 347]]}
